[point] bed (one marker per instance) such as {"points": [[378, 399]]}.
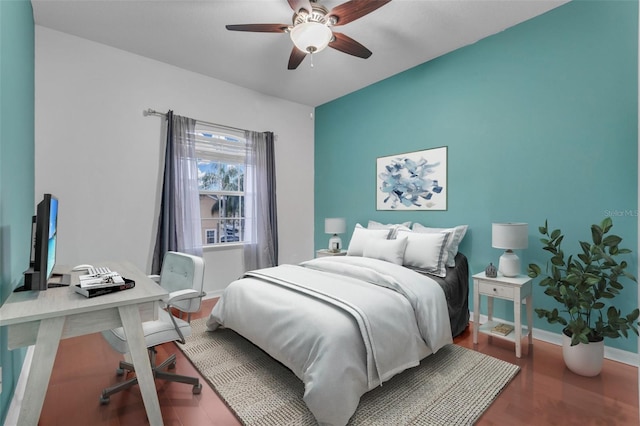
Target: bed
{"points": [[346, 324], [455, 285]]}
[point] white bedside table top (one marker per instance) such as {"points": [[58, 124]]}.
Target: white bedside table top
{"points": [[327, 253], [519, 280]]}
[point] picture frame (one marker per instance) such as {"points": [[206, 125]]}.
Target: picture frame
{"points": [[412, 181]]}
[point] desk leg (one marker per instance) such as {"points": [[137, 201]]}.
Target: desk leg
{"points": [[130, 317], [44, 355]]}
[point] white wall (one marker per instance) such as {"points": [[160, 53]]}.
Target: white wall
{"points": [[102, 158]]}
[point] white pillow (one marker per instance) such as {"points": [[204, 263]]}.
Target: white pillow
{"points": [[454, 241], [387, 250], [393, 227], [426, 252], [360, 238]]}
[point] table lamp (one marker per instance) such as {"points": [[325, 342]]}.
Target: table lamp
{"points": [[335, 226], [509, 236]]}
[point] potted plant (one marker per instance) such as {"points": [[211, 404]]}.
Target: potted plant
{"points": [[580, 284]]}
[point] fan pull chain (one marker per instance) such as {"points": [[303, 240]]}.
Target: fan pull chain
{"points": [[311, 55]]}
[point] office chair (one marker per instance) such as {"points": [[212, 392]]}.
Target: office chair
{"points": [[183, 276]]}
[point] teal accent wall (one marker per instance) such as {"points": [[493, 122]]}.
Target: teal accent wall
{"points": [[540, 121], [16, 167]]}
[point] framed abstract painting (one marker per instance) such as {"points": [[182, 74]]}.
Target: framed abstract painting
{"points": [[412, 181]]}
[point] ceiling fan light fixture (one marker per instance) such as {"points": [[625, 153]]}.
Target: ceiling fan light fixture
{"points": [[311, 37]]}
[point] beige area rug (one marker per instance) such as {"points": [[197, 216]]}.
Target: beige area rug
{"points": [[452, 387]]}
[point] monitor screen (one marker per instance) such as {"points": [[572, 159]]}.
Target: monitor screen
{"points": [[52, 236], [45, 247], [32, 256]]}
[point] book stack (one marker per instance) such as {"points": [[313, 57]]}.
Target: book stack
{"points": [[502, 329], [92, 285]]}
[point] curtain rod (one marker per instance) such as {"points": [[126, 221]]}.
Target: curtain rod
{"points": [[150, 111]]}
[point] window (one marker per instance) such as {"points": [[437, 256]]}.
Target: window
{"points": [[221, 174], [211, 236]]}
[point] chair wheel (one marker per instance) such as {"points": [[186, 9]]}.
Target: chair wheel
{"points": [[120, 371], [197, 389], [104, 400]]}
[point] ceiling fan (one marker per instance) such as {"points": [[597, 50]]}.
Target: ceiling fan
{"points": [[311, 29]]}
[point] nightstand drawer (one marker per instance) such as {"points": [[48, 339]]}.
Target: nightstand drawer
{"points": [[496, 290]]}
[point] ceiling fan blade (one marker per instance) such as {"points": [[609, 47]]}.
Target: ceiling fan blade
{"points": [[296, 58], [259, 28], [348, 45], [296, 5], [354, 9]]}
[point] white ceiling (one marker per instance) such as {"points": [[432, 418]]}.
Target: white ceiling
{"points": [[191, 35]]}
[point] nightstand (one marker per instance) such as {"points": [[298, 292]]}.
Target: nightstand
{"points": [[515, 289], [326, 252]]}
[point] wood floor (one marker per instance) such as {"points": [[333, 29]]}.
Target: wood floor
{"points": [[543, 393]]}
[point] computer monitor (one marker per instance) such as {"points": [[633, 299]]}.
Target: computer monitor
{"points": [[32, 256], [44, 246]]}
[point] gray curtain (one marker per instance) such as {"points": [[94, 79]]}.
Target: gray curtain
{"points": [[261, 227], [179, 225]]}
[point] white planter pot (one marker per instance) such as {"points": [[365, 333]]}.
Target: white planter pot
{"points": [[585, 360]]}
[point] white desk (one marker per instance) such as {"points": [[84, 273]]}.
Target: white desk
{"points": [[44, 318]]}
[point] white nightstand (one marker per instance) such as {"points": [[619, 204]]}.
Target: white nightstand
{"points": [[515, 289], [326, 252]]}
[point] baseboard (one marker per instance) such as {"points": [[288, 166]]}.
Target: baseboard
{"points": [[614, 354]]}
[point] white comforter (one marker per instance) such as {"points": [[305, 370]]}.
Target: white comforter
{"points": [[343, 325]]}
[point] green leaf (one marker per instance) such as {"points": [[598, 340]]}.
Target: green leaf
{"points": [[547, 282], [606, 224], [534, 270], [611, 240], [543, 229], [612, 314], [596, 234], [586, 247], [616, 285]]}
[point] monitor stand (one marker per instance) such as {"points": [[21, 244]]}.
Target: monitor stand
{"points": [[59, 280], [31, 278]]}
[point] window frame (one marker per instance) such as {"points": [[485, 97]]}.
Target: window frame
{"points": [[223, 146]]}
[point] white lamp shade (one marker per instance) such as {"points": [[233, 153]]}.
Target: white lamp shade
{"points": [[311, 37], [510, 236], [335, 225]]}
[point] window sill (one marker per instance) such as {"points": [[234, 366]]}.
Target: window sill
{"points": [[227, 246]]}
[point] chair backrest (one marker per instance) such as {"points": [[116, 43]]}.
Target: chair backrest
{"points": [[181, 271]]}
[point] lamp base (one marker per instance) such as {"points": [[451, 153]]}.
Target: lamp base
{"points": [[509, 265], [335, 243]]}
